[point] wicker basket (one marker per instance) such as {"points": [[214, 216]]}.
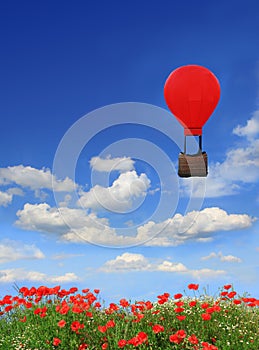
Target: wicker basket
{"points": [[193, 165]]}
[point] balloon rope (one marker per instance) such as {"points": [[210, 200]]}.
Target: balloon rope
{"points": [[200, 144]]}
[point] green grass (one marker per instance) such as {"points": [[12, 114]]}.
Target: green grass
{"points": [[52, 318]]}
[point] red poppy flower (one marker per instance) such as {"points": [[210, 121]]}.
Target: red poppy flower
{"points": [[204, 305], [102, 329], [62, 323], [122, 343], [206, 317], [227, 286], [193, 339], [72, 290], [76, 325], [110, 324], [178, 296], [178, 337], [179, 303], [178, 309], [124, 303], [157, 328], [192, 303], [193, 286], [231, 294], [8, 308], [56, 341], [181, 317], [23, 319]]}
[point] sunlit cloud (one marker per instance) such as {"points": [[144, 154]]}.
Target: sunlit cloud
{"points": [[34, 179], [108, 164], [19, 274], [224, 258], [240, 167], [11, 250], [5, 198], [197, 226], [251, 129], [118, 197], [128, 262]]}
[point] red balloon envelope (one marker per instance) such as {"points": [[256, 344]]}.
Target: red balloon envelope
{"points": [[192, 93]]}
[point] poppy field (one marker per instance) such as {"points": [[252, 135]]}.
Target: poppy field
{"points": [[54, 318]]}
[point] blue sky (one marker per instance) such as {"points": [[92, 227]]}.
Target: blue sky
{"points": [[89, 192]]}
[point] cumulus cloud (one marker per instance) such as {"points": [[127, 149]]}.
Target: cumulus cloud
{"points": [[41, 217], [240, 167], [122, 164], [34, 179], [72, 225], [241, 164], [118, 197], [128, 262], [87, 227], [63, 256], [251, 129], [15, 191], [193, 226], [15, 275], [223, 258], [13, 250], [5, 198]]}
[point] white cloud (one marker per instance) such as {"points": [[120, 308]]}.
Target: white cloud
{"points": [[83, 227], [122, 164], [41, 217], [15, 191], [230, 258], [42, 195], [66, 201], [128, 262], [251, 129], [118, 197], [13, 250], [63, 256], [15, 275], [210, 256], [34, 179], [152, 192], [5, 198], [193, 226], [168, 266], [240, 166], [207, 273], [223, 258]]}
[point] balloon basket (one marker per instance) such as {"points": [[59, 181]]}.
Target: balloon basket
{"points": [[190, 165]]}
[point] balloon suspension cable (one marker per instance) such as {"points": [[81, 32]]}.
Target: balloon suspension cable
{"points": [[200, 144]]}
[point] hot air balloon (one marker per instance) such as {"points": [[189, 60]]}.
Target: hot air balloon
{"points": [[192, 93]]}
